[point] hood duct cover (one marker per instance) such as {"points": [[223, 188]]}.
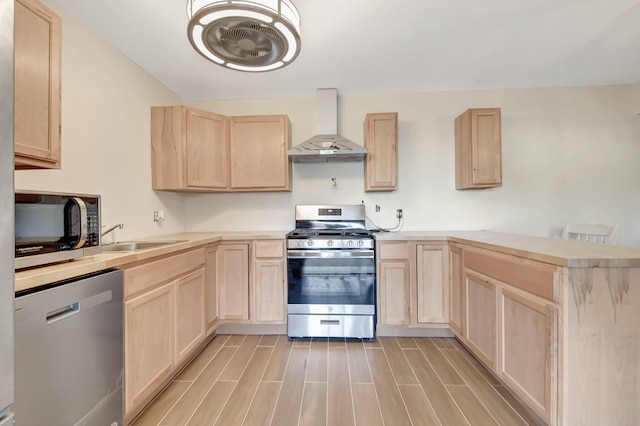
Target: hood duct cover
{"points": [[327, 145]]}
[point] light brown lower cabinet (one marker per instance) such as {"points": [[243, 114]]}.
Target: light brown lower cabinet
{"points": [[511, 324], [164, 323], [432, 289], [528, 337], [393, 283], [190, 313], [233, 281], [456, 289], [269, 291], [480, 327], [211, 288], [149, 344]]}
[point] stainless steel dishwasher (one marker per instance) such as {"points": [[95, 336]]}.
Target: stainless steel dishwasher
{"points": [[69, 353]]}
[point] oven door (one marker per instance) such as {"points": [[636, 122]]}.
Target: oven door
{"points": [[331, 282]]}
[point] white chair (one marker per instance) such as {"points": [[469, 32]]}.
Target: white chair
{"points": [[602, 234]]}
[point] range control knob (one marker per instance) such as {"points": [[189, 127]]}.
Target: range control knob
{"points": [[349, 243], [360, 243], [309, 243], [300, 243], [330, 243]]}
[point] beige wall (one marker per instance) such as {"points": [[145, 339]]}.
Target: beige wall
{"points": [[105, 135], [569, 154]]}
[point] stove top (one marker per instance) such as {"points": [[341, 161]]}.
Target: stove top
{"points": [[331, 227], [332, 233]]}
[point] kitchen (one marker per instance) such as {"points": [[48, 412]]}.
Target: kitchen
{"points": [[106, 141]]}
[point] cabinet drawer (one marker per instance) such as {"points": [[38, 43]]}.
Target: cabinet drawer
{"points": [[142, 277], [269, 248], [390, 251], [534, 277]]}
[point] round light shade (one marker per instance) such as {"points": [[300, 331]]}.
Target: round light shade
{"points": [[245, 35]]}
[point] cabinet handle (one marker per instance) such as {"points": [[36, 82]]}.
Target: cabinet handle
{"points": [[63, 312]]}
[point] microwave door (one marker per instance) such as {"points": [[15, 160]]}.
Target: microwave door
{"points": [[75, 222]]}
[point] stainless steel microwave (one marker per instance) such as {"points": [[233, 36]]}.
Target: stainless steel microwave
{"points": [[54, 227]]}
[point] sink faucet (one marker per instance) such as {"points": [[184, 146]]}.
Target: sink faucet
{"points": [[113, 228]]}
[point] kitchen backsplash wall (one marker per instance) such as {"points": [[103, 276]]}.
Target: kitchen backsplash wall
{"points": [[569, 154]]}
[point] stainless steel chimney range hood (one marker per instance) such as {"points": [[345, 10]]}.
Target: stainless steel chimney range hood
{"points": [[327, 145]]}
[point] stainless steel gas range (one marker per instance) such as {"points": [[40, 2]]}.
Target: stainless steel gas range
{"points": [[331, 273]]}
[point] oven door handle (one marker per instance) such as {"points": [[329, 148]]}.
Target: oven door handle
{"points": [[305, 254]]}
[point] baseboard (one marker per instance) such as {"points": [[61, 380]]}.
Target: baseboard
{"points": [[403, 331], [252, 329]]}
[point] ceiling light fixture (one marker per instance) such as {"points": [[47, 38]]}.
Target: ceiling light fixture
{"points": [[245, 35]]}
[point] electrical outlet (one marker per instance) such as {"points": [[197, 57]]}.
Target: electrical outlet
{"points": [[399, 213]]}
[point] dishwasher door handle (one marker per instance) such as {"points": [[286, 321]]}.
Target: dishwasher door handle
{"points": [[63, 312]]}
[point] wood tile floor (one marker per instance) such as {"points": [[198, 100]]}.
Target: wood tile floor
{"points": [[271, 380]]}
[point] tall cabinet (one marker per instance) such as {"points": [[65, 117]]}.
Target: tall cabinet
{"points": [[37, 86], [381, 141]]}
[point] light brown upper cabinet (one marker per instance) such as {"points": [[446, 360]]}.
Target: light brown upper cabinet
{"points": [[37, 86], [381, 141], [478, 149], [189, 149], [259, 157], [199, 151]]}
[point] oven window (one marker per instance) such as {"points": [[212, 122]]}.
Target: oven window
{"points": [[331, 281]]}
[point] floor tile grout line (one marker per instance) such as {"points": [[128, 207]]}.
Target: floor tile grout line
{"points": [[326, 410], [286, 367], [375, 389], [490, 399], [188, 387], [475, 394], [490, 384], [213, 384], [259, 381], [420, 384], [353, 404], [192, 382], [395, 380]]}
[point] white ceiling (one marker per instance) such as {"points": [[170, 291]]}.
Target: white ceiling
{"points": [[376, 46]]}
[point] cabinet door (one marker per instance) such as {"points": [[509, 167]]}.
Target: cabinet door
{"points": [[207, 149], [456, 319], [381, 162], [480, 324], [528, 336], [37, 86], [259, 157], [432, 301], [190, 314], [211, 288], [149, 342], [478, 149], [393, 293], [269, 294], [233, 281]]}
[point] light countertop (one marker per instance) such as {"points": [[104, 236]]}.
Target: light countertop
{"points": [[34, 277], [555, 251], [549, 250]]}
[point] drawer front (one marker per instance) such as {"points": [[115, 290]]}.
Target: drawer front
{"points": [[531, 276], [350, 326], [269, 248], [391, 251], [147, 275]]}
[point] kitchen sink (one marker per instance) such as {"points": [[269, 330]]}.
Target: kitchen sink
{"points": [[138, 245]]}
